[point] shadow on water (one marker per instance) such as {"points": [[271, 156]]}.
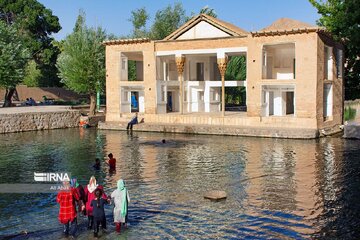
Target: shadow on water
{"points": [[276, 188]]}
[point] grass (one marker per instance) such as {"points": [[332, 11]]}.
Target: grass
{"points": [[349, 114]]}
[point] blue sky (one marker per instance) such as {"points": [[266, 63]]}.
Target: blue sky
{"points": [[113, 15]]}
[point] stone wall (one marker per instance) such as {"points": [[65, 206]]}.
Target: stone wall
{"points": [[215, 130], [20, 122]]}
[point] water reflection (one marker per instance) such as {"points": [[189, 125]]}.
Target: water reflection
{"points": [[338, 174], [276, 188]]}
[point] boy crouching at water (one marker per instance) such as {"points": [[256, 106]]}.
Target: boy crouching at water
{"points": [[98, 211]]}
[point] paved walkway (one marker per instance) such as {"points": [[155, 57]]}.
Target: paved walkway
{"points": [[34, 109]]}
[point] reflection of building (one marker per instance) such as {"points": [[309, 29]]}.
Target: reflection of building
{"points": [[283, 177], [135, 159], [294, 76], [150, 163]]}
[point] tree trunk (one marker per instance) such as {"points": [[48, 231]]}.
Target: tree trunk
{"points": [[8, 96], [92, 104]]}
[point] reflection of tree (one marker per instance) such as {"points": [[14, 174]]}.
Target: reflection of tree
{"points": [[314, 181], [338, 182], [49, 151]]}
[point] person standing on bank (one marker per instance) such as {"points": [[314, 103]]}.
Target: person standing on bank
{"points": [[132, 122], [121, 199], [67, 214]]}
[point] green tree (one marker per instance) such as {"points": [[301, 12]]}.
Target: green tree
{"points": [[205, 10], [82, 63], [80, 21], [208, 11], [32, 74], [167, 20], [236, 70], [35, 24], [131, 70], [139, 18], [13, 59], [342, 19]]}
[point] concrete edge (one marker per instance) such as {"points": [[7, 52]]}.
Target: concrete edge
{"points": [[215, 130]]}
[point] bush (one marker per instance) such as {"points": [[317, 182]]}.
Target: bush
{"points": [[349, 114]]}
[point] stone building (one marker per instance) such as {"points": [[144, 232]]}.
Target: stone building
{"points": [[294, 79]]}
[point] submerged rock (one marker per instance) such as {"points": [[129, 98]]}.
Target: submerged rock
{"points": [[215, 195]]}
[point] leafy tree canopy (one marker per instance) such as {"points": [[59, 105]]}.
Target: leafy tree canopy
{"points": [[208, 11], [35, 24], [138, 19], [342, 19], [205, 10], [167, 20], [82, 63], [13, 59], [32, 76]]}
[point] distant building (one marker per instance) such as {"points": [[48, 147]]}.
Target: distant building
{"points": [[294, 76]]}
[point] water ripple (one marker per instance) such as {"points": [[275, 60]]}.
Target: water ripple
{"points": [[277, 189]]}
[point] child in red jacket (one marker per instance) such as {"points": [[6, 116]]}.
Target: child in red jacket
{"points": [[67, 199]]}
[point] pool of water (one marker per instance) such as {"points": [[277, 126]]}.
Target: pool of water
{"points": [[276, 188]]}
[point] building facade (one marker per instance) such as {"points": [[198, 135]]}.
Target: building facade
{"points": [[294, 77]]}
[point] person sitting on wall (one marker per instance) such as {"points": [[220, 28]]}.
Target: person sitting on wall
{"points": [[133, 121], [46, 101], [27, 102], [32, 102]]}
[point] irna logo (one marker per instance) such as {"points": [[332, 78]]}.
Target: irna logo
{"points": [[51, 177]]}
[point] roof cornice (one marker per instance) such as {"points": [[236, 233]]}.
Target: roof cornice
{"points": [[126, 41], [286, 32]]}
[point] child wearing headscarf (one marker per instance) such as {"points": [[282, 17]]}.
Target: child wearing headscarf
{"points": [[121, 199], [81, 193], [89, 196]]}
